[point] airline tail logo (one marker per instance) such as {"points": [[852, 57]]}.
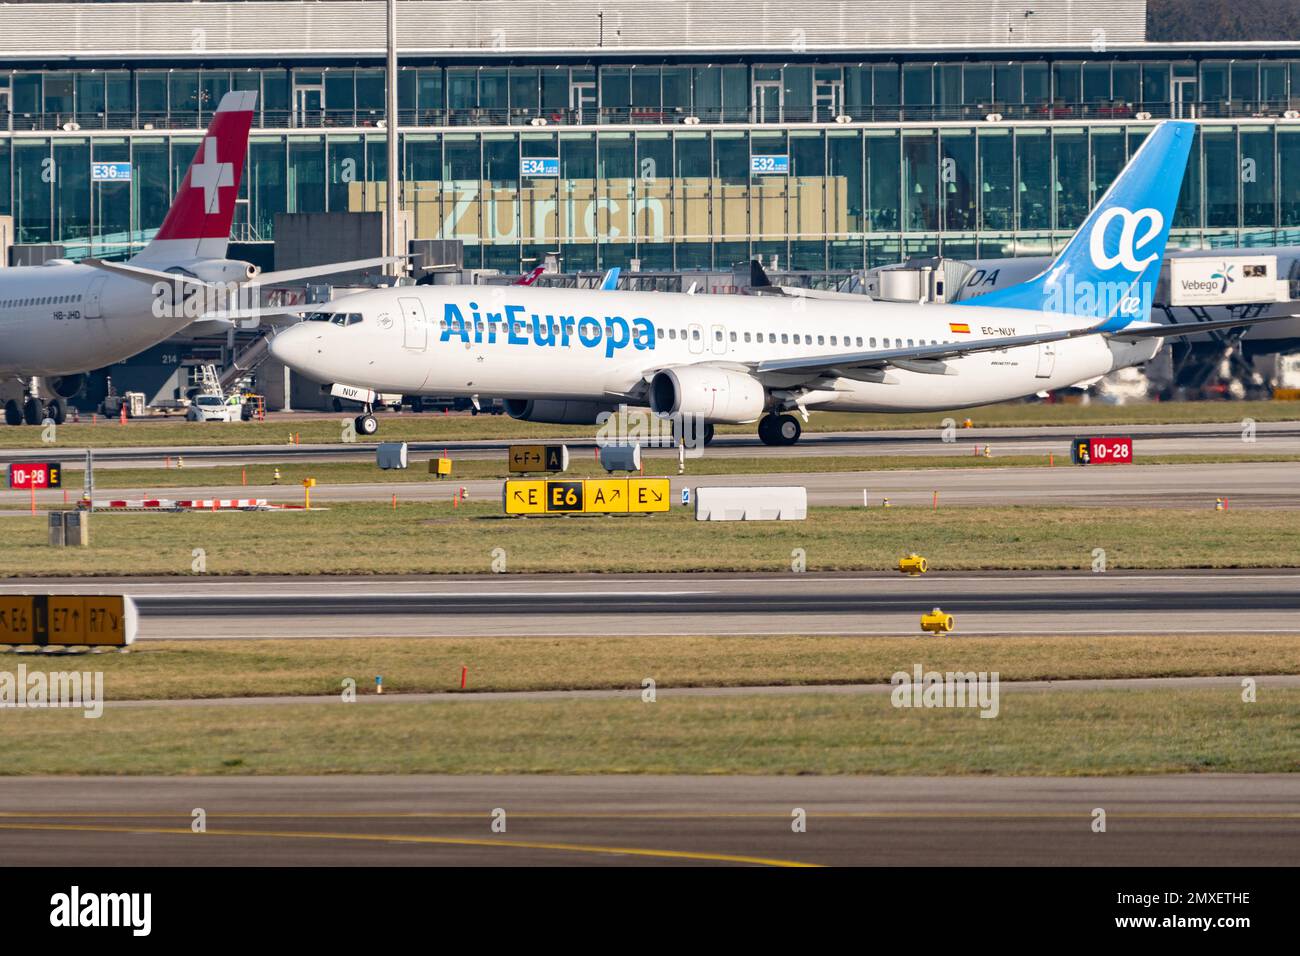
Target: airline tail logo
{"points": [[1107, 272], [210, 175], [1129, 242], [198, 224]]}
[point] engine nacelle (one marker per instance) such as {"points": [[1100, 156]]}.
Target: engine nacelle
{"points": [[225, 270], [714, 394], [551, 412], [66, 386]]}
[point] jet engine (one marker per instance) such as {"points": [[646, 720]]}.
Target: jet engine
{"points": [[225, 270], [715, 394], [556, 412], [66, 386]]}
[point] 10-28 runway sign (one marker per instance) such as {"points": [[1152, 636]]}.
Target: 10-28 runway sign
{"points": [[1102, 451], [35, 475]]}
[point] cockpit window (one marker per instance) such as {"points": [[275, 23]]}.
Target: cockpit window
{"points": [[338, 318]]}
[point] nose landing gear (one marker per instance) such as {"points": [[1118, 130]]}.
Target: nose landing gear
{"points": [[366, 423], [779, 429]]}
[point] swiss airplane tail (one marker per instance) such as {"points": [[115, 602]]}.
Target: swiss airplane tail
{"points": [[1107, 272], [198, 224]]}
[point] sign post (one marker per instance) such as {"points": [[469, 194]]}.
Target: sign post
{"points": [[33, 475]]}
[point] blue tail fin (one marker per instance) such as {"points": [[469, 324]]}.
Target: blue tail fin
{"points": [[1109, 268]]}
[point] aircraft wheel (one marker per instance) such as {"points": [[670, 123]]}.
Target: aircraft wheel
{"points": [[767, 430], [56, 411], [33, 411], [367, 424], [13, 413], [708, 434], [787, 430]]}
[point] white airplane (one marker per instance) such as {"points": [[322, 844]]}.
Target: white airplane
{"points": [[61, 320], [566, 356]]}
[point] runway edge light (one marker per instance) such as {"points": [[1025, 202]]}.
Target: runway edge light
{"points": [[913, 564], [937, 622]]}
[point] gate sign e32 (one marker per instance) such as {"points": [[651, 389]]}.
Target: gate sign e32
{"points": [[110, 172], [769, 165], [35, 475]]}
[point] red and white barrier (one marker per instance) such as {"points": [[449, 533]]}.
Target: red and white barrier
{"points": [[168, 504]]}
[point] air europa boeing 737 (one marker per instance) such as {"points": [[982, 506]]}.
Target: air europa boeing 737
{"points": [[61, 320], [564, 356]]}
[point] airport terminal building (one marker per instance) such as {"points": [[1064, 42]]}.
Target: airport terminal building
{"points": [[824, 135]]}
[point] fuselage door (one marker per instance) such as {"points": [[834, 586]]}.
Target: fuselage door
{"points": [[93, 307], [718, 335], [1046, 355], [415, 334]]}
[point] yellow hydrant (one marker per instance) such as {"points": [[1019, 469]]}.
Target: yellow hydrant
{"points": [[913, 564], [936, 622], [275, 478]]}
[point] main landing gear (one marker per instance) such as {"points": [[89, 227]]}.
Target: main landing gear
{"points": [[779, 429], [32, 411]]}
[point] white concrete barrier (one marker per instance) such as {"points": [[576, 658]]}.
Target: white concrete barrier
{"points": [[751, 504]]}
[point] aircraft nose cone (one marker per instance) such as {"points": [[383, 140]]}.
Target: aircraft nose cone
{"points": [[293, 347]]}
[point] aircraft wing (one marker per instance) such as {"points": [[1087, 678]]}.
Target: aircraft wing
{"points": [[913, 358], [329, 268], [930, 358], [235, 315], [142, 274], [1154, 330]]}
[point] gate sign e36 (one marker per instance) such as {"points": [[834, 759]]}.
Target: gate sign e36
{"points": [[110, 172], [35, 475]]}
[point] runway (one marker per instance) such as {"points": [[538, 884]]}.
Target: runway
{"points": [[983, 603], [1244, 484], [1202, 819], [1275, 438]]}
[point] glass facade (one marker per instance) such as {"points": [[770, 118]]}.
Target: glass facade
{"points": [[680, 166]]}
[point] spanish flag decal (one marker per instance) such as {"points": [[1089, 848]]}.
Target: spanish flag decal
{"points": [[961, 327]]}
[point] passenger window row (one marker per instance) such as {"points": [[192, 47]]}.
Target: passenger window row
{"points": [[848, 341], [40, 300]]}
